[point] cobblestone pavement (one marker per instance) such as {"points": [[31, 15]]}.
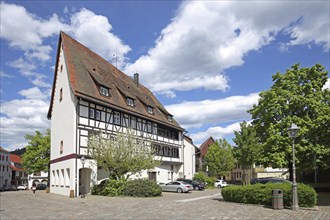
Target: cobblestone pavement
{"points": [[206, 204]]}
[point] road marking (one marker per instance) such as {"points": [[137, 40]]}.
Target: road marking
{"points": [[198, 198]]}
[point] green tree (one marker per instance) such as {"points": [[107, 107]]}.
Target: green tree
{"points": [[122, 155], [296, 96], [219, 158], [37, 154], [248, 149]]}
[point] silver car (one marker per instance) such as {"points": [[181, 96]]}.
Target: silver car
{"points": [[177, 186]]}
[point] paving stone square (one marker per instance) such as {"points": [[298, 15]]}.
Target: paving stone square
{"points": [[206, 204]]}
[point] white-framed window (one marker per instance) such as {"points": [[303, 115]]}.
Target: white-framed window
{"points": [[150, 110], [149, 128], [169, 118], [133, 122], [130, 102], [98, 115], [91, 113], [104, 91], [116, 118]]}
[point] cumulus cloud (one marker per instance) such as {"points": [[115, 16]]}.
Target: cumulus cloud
{"points": [[33, 93], [207, 37], [216, 132], [22, 116], [85, 25], [16, 20], [198, 113]]}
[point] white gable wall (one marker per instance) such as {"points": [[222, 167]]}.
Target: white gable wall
{"points": [[189, 159], [63, 123]]}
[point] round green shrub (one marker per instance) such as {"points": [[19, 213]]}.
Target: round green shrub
{"points": [[142, 188], [202, 177], [262, 194], [110, 187]]}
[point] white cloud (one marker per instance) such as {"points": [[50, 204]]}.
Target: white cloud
{"points": [[20, 117], [33, 93], [327, 85], [216, 132], [199, 113], [26, 31], [5, 75], [86, 25], [207, 37]]}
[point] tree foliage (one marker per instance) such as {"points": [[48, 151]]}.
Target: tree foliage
{"points": [[219, 158], [296, 96], [37, 155], [122, 155], [247, 150]]}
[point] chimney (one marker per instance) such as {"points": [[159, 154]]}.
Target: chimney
{"points": [[136, 79]]}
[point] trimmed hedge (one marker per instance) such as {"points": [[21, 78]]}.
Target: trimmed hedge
{"points": [[122, 187], [142, 188], [262, 194]]}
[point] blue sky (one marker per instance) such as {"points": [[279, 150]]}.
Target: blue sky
{"points": [[206, 61]]}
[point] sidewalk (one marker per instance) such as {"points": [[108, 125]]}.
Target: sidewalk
{"points": [[206, 204]]}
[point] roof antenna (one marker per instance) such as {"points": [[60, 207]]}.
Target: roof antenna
{"points": [[115, 58]]}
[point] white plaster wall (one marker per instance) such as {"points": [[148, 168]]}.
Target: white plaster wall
{"points": [[63, 119], [189, 160], [63, 128], [5, 175]]}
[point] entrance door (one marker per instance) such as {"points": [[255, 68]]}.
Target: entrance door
{"points": [[152, 176]]}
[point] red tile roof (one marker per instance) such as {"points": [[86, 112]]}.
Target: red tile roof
{"points": [[15, 158], [88, 71]]}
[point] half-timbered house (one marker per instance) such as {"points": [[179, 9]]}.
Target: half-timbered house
{"points": [[91, 95]]}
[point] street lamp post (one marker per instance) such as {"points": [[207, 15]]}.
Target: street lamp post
{"points": [[82, 159], [292, 132]]}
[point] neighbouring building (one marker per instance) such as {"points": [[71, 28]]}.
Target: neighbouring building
{"points": [[257, 171], [18, 174], [37, 178], [189, 157], [90, 95], [204, 147], [5, 171]]}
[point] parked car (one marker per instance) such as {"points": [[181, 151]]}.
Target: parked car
{"points": [[177, 186], [22, 187], [196, 185], [41, 186], [220, 183], [8, 188], [268, 180]]}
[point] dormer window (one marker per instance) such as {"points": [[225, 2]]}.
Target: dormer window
{"points": [[169, 118], [104, 91], [130, 102], [150, 110]]}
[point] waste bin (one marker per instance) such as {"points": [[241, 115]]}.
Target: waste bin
{"points": [[277, 199]]}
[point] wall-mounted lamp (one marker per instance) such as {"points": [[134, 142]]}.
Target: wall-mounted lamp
{"points": [[158, 172]]}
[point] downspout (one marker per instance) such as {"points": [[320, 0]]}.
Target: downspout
{"points": [[77, 109]]}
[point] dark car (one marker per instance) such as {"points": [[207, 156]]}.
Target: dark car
{"points": [[41, 186], [268, 180], [196, 185], [8, 188]]}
